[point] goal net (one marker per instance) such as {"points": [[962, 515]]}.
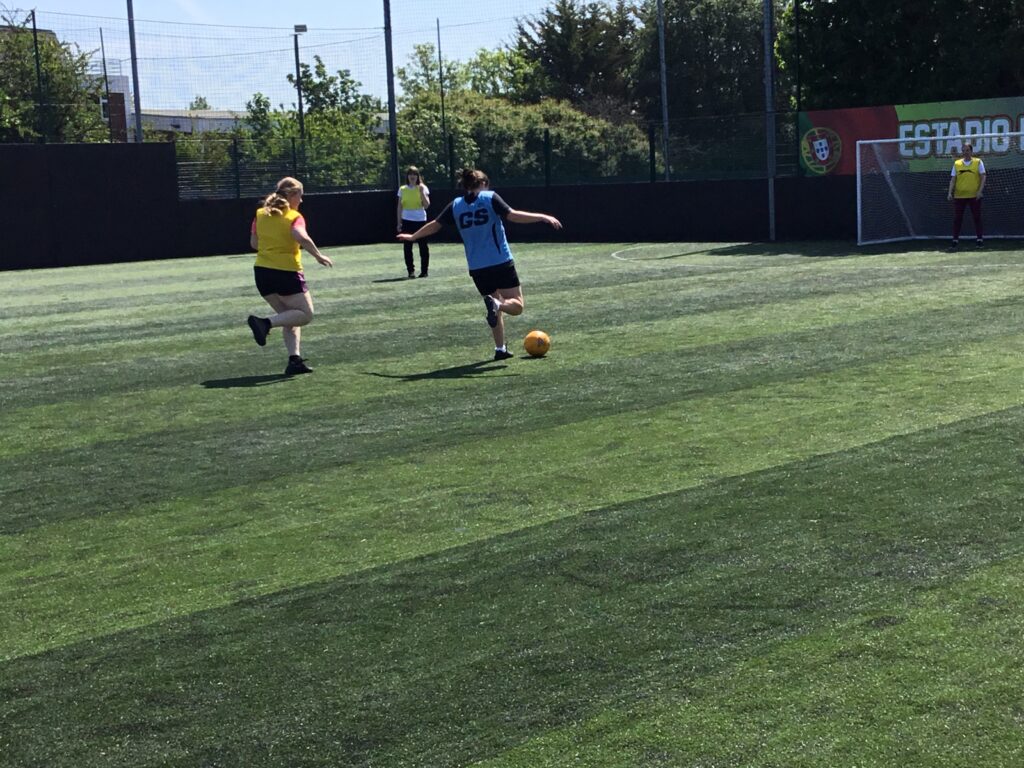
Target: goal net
{"points": [[902, 186]]}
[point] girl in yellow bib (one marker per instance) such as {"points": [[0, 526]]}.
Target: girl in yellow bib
{"points": [[966, 187], [413, 201], [278, 234]]}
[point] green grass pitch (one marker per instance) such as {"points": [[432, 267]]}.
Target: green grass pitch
{"points": [[759, 506]]}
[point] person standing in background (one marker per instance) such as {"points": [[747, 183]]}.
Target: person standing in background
{"points": [[966, 186], [413, 201]]}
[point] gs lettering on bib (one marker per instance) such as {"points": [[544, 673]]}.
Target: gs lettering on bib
{"points": [[476, 218]]}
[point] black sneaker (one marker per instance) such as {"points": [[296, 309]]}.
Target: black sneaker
{"points": [[980, 243], [423, 274], [954, 245], [492, 310], [412, 275], [260, 327], [296, 365], [502, 354]]}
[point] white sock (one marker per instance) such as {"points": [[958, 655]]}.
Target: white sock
{"points": [[500, 349]]}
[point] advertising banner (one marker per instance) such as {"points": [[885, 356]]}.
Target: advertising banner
{"points": [[933, 133]]}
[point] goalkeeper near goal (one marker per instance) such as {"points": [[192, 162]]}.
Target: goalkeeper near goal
{"points": [[966, 186]]}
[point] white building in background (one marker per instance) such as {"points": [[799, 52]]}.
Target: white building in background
{"points": [[191, 120], [168, 121]]}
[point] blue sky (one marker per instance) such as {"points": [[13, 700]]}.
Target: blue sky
{"points": [[271, 13], [247, 46]]}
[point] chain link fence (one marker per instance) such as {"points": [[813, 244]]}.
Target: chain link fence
{"points": [[203, 85]]}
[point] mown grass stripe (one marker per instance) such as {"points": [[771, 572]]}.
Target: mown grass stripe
{"points": [[95, 365], [411, 558], [637, 611], [374, 509], [161, 408], [934, 680], [224, 274]]}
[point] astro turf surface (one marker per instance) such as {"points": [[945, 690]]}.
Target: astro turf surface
{"points": [[759, 506]]}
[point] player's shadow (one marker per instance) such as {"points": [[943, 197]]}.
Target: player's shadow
{"points": [[245, 381], [392, 280], [455, 372]]}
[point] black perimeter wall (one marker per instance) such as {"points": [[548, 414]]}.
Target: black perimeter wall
{"points": [[68, 204]]}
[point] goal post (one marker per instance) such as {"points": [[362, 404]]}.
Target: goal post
{"points": [[902, 186]]}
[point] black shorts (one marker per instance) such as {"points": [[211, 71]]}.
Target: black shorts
{"points": [[490, 279], [280, 281], [410, 227]]}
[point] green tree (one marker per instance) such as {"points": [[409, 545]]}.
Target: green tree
{"points": [[344, 144], [714, 58], [503, 73], [64, 107], [583, 50], [422, 75], [199, 102], [323, 92], [934, 50], [259, 116], [508, 140]]}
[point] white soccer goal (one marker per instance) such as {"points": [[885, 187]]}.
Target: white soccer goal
{"points": [[902, 186]]}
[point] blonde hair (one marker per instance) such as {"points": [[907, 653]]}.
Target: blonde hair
{"points": [[276, 203], [471, 179]]}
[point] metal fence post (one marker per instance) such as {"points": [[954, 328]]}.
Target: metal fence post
{"points": [[235, 165], [135, 74], [44, 113], [451, 158], [651, 153], [547, 157], [295, 160], [769, 111]]}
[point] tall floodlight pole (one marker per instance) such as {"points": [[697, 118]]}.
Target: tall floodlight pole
{"points": [[799, 88], [796, 39], [769, 112], [664, 88], [440, 80], [44, 113], [135, 72], [299, 29], [392, 112], [106, 87]]}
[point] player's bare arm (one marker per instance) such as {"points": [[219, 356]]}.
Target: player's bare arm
{"points": [[428, 229], [300, 236], [526, 217]]}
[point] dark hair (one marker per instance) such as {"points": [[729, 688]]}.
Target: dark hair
{"points": [[471, 179], [413, 169], [276, 203]]}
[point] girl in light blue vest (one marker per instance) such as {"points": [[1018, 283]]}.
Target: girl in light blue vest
{"points": [[479, 215]]}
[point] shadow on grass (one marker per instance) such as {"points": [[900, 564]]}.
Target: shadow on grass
{"points": [[837, 249], [812, 250], [656, 251], [455, 372], [392, 280], [245, 381]]}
